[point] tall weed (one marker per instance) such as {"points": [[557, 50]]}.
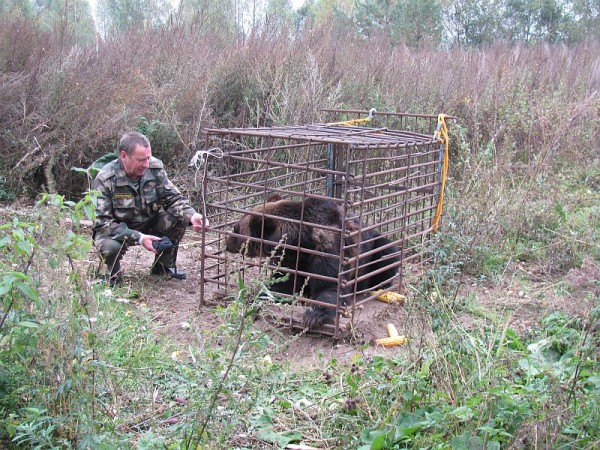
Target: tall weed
{"points": [[528, 108]]}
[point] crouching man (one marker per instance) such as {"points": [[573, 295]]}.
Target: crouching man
{"points": [[138, 205]]}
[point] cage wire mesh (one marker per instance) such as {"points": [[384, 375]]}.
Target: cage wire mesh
{"points": [[388, 179]]}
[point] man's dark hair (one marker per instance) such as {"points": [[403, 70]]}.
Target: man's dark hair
{"points": [[130, 140]]}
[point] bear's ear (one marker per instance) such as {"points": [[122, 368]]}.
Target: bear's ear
{"points": [[274, 198], [257, 229]]}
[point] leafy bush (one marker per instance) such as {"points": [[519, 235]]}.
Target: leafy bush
{"points": [[6, 194], [82, 366]]}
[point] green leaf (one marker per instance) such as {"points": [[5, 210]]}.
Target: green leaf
{"points": [[89, 211], [462, 413], [27, 291], [467, 441], [6, 284], [407, 426], [529, 368], [265, 420], [18, 233], [279, 439], [101, 162], [513, 340], [25, 247], [53, 262], [380, 442], [28, 324], [372, 437], [5, 240]]}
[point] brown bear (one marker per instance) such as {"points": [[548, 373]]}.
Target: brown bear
{"points": [[314, 249]]}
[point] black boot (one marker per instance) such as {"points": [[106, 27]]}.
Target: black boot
{"points": [[177, 274], [164, 264], [159, 269]]}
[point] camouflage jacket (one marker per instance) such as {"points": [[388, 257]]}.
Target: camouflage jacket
{"points": [[122, 209]]}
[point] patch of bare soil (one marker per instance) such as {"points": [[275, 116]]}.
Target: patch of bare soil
{"points": [[177, 312], [526, 297]]}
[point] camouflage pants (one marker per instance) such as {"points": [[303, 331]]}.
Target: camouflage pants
{"points": [[164, 224]]}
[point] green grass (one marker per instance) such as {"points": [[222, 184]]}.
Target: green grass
{"points": [[87, 367]]}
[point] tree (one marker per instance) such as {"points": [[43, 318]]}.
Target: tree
{"points": [[550, 18], [473, 22], [419, 22], [279, 13], [116, 16], [222, 18], [71, 19], [22, 7], [338, 13], [538, 20], [413, 22], [374, 15], [585, 20]]}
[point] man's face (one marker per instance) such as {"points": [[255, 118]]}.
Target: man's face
{"points": [[137, 163]]}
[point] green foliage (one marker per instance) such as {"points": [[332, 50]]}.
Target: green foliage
{"points": [[6, 194], [232, 94], [70, 356], [70, 18], [85, 366], [469, 391], [23, 7], [118, 16], [474, 23], [31, 327], [91, 171], [214, 17], [413, 23], [476, 395], [163, 137]]}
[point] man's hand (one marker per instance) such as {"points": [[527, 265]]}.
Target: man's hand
{"points": [[198, 222], [146, 242]]}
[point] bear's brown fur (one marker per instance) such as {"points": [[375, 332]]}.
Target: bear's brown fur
{"points": [[314, 249]]}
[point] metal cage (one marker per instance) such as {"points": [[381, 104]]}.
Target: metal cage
{"points": [[388, 179]]}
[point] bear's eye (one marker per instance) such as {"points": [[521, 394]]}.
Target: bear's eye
{"points": [[236, 229]]}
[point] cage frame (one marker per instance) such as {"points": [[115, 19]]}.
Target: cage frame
{"points": [[340, 140]]}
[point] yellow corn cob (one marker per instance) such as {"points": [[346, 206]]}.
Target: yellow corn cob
{"points": [[391, 341], [392, 331], [390, 297]]}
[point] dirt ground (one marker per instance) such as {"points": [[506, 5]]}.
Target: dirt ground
{"points": [[176, 310]]}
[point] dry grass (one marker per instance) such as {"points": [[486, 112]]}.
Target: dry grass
{"points": [[524, 105], [524, 149]]}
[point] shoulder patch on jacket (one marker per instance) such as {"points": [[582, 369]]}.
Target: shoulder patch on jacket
{"points": [[105, 174], [156, 163]]}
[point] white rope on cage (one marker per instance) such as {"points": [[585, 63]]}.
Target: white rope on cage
{"points": [[200, 156]]}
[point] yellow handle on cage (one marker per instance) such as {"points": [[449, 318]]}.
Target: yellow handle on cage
{"points": [[372, 112], [441, 133]]}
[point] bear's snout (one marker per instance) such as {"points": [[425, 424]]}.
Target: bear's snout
{"points": [[234, 244]]}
